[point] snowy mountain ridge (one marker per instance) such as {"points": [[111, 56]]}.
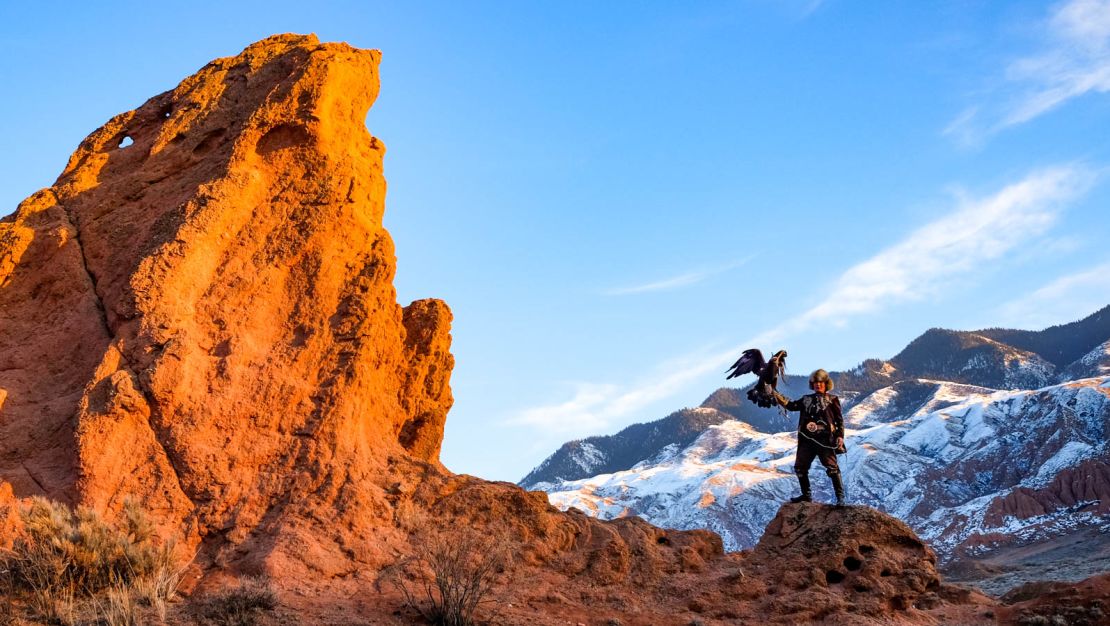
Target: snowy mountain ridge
{"points": [[993, 358], [942, 456]]}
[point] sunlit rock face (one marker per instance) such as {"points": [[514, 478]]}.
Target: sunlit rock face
{"points": [[200, 312]]}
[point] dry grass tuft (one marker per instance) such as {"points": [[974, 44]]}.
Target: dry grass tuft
{"points": [[121, 608], [61, 548], [242, 604], [56, 606]]}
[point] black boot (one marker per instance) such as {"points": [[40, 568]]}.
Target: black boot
{"points": [[803, 481], [838, 488]]}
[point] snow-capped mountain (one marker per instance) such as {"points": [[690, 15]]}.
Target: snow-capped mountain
{"points": [[597, 455], [948, 467], [1005, 448], [1094, 363], [994, 358]]}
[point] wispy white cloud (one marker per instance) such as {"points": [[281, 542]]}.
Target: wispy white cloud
{"points": [[676, 282], [595, 406], [974, 234], [809, 7], [578, 414], [1064, 299], [1074, 60]]}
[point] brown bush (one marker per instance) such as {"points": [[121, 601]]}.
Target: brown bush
{"points": [[240, 605], [60, 555], [450, 575]]}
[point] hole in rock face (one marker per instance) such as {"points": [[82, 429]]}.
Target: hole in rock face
{"points": [[223, 349], [125, 141], [300, 336], [209, 141], [165, 112], [852, 563], [410, 431], [663, 541], [283, 136], [909, 542], [898, 603], [885, 572], [861, 588], [866, 549], [833, 577]]}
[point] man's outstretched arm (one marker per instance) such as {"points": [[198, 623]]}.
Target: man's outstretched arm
{"points": [[787, 403]]}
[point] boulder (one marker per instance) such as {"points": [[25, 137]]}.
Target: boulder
{"points": [[825, 560]]}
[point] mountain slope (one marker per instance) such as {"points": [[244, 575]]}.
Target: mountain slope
{"points": [[992, 358], [961, 468], [1062, 344], [599, 455]]}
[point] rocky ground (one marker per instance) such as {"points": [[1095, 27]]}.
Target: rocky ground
{"points": [[1071, 558]]}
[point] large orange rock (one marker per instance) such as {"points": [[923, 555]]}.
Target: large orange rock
{"points": [[200, 311], [9, 517]]}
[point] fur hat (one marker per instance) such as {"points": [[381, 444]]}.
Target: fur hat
{"points": [[819, 375]]}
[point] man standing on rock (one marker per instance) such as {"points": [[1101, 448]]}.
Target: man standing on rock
{"points": [[820, 434]]}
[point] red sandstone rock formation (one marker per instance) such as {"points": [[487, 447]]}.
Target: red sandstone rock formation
{"points": [[205, 317], [853, 557], [815, 562], [1088, 482], [1086, 603]]}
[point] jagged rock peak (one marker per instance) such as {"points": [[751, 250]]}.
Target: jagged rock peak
{"points": [[200, 312]]}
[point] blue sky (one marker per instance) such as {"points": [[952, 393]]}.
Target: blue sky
{"points": [[615, 198]]}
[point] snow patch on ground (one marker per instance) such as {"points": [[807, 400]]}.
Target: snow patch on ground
{"points": [[1099, 357], [874, 404], [588, 457], [1073, 453]]}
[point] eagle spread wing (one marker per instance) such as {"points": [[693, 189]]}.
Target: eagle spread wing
{"points": [[751, 362], [764, 392]]}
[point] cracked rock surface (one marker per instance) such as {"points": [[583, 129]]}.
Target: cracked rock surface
{"points": [[200, 312]]}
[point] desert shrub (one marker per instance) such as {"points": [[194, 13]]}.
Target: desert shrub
{"points": [[450, 575], [60, 547], [242, 604], [7, 601], [60, 555]]}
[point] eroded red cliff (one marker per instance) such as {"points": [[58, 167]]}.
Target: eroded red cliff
{"points": [[200, 312]]}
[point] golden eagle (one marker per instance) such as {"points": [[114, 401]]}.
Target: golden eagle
{"points": [[764, 393]]}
